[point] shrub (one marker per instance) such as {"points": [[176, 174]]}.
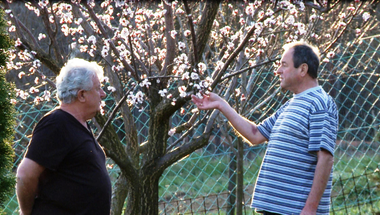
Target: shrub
{"points": [[7, 114]]}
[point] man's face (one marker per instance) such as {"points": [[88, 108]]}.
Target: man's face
{"points": [[94, 97], [289, 76]]}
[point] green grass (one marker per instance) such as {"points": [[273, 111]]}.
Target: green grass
{"points": [[201, 176]]}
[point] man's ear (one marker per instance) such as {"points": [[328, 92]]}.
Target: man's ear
{"points": [[304, 69], [80, 96]]}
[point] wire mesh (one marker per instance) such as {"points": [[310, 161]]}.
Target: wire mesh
{"points": [[205, 181]]}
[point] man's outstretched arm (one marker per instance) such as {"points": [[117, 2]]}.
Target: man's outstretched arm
{"points": [[245, 127]]}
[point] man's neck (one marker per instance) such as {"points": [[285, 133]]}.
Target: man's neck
{"points": [[307, 84], [75, 111]]}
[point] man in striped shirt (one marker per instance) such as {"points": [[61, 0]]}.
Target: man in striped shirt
{"points": [[296, 174]]}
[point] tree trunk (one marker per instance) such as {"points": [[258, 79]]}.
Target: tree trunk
{"points": [[149, 196], [119, 193]]}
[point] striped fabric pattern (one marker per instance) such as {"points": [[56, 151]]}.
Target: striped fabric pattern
{"points": [[304, 125]]}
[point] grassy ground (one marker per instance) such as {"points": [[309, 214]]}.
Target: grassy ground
{"points": [[356, 183]]}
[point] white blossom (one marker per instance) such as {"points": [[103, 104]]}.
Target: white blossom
{"points": [[290, 20], [172, 131], [330, 55], [185, 76], [195, 110], [46, 95], [187, 33], [105, 79], [111, 88], [145, 83], [180, 11], [194, 76], [197, 86], [219, 65], [366, 16], [140, 97], [124, 33], [41, 36], [163, 92], [18, 42], [92, 39], [181, 46], [302, 6], [21, 74], [22, 94], [33, 90], [269, 12], [173, 33], [37, 100], [182, 91], [173, 102], [202, 67], [104, 53], [12, 28]]}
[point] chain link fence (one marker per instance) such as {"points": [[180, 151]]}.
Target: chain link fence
{"points": [[205, 181]]}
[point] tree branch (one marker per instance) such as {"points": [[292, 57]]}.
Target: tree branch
{"points": [[343, 30], [19, 25], [183, 151], [113, 47], [209, 13], [235, 53], [114, 149], [249, 68], [191, 25], [112, 115], [188, 125], [52, 34], [170, 42]]}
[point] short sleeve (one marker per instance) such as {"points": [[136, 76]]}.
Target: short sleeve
{"points": [[323, 132], [267, 125], [48, 146]]}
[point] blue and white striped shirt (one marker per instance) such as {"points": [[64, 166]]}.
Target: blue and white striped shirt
{"points": [[304, 125]]}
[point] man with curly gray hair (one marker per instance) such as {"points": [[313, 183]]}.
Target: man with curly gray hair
{"points": [[63, 171]]}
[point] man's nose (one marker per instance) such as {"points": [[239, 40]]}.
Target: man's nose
{"points": [[102, 93]]}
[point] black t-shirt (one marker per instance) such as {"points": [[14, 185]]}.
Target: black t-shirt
{"points": [[76, 180]]}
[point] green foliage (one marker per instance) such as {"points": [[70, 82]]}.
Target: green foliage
{"points": [[7, 111]]}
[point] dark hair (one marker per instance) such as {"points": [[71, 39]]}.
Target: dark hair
{"points": [[305, 53]]}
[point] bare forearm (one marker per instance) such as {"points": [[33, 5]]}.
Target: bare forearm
{"points": [[28, 174], [321, 178], [26, 192], [245, 127]]}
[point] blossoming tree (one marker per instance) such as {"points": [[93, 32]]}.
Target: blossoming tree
{"points": [[156, 55]]}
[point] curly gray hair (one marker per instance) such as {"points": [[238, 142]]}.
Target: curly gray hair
{"points": [[76, 75]]}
